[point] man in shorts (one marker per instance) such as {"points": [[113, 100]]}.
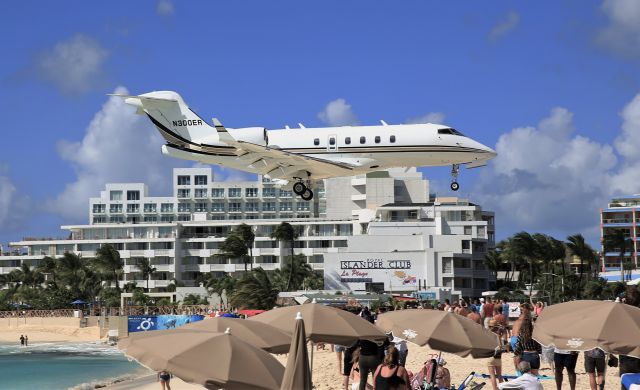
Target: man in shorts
{"points": [[565, 359], [594, 363]]}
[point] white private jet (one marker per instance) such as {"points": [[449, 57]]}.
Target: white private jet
{"points": [[295, 158]]}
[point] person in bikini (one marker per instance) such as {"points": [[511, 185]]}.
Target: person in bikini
{"points": [[390, 375], [164, 377]]}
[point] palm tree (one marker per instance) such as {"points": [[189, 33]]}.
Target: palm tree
{"points": [[47, 266], [248, 236], [493, 261], [315, 281], [255, 291], [146, 269], [578, 247], [109, 263], [71, 269], [527, 248], [294, 273], [558, 252], [234, 246], [617, 241], [29, 277], [286, 233], [222, 285]]}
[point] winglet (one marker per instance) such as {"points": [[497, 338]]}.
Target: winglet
{"points": [[222, 131]]}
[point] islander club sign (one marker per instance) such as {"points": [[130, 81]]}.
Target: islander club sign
{"points": [[364, 271]]}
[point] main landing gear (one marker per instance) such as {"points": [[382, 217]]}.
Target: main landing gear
{"points": [[455, 168], [300, 189]]}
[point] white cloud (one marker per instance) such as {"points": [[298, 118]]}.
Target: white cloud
{"points": [[164, 7], [119, 147], [338, 113], [432, 117], [546, 178], [622, 33], [13, 206], [504, 26], [74, 65]]}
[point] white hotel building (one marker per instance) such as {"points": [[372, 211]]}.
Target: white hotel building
{"points": [[415, 243]]}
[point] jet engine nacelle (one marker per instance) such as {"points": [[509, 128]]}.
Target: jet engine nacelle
{"points": [[254, 135]]}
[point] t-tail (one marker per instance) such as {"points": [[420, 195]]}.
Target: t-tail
{"points": [[180, 126]]}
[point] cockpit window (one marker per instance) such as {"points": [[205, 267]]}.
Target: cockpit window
{"points": [[450, 131]]}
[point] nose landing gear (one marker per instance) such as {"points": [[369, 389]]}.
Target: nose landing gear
{"points": [[455, 168]]}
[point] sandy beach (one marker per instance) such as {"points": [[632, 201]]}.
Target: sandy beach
{"points": [[326, 377], [50, 334]]}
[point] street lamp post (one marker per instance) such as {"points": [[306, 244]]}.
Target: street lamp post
{"points": [[561, 281]]}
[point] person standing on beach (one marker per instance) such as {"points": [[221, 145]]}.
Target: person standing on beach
{"points": [[164, 377], [26, 340], [22, 340], [565, 359], [474, 316], [595, 366]]}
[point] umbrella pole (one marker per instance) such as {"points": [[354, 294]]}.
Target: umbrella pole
{"points": [[311, 364]]}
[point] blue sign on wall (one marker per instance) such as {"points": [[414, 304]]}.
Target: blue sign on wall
{"points": [[161, 322]]}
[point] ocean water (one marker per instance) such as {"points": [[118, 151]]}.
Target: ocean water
{"points": [[62, 365]]}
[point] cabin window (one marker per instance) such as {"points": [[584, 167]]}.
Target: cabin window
{"points": [[377, 139], [363, 140], [316, 141], [392, 139], [347, 141], [332, 141]]}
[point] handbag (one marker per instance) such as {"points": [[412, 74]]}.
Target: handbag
{"points": [[613, 361]]}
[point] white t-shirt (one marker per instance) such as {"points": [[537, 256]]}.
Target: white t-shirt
{"points": [[524, 382]]}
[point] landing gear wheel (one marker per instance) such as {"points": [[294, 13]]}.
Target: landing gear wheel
{"points": [[455, 168], [299, 188], [307, 194], [455, 186]]}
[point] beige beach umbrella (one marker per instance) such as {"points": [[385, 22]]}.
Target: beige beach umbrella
{"points": [[258, 334], [584, 325], [442, 331], [297, 374], [322, 324], [213, 360]]}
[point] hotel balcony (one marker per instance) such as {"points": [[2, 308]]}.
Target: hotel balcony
{"points": [[358, 197], [613, 222], [359, 181]]}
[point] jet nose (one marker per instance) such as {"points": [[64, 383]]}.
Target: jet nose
{"points": [[489, 152]]}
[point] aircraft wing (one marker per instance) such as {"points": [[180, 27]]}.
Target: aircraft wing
{"points": [[283, 165]]}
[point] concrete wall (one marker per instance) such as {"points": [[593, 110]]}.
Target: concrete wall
{"points": [[18, 322]]}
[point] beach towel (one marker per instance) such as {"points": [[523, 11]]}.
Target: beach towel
{"points": [[425, 375]]}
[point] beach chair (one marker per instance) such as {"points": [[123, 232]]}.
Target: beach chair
{"points": [[470, 384], [425, 378]]}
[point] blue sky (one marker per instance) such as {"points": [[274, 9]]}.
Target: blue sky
{"points": [[551, 85]]}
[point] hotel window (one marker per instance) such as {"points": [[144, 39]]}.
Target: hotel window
{"points": [[166, 218], [150, 218], [235, 192], [302, 206], [115, 208], [251, 193], [201, 207], [252, 206], [363, 140], [133, 208], [166, 208], [99, 208], [377, 139], [217, 207], [184, 180], [217, 192], [184, 207], [116, 219], [100, 219], [347, 141], [316, 141], [268, 192], [286, 206], [201, 192], [184, 218], [201, 180], [150, 207], [183, 193], [133, 195], [269, 206], [286, 194], [392, 139], [235, 206], [115, 195]]}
